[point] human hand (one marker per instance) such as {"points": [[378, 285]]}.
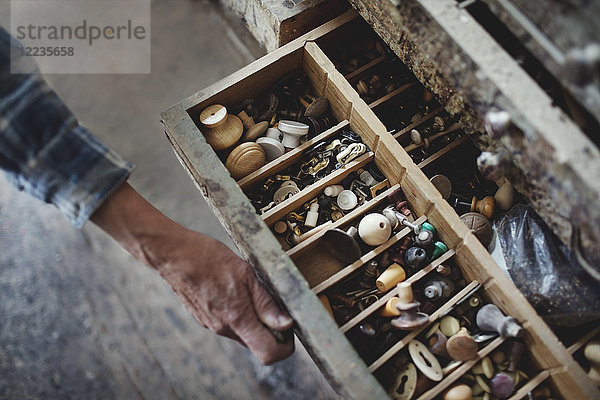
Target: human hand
{"points": [[217, 287], [220, 290]]}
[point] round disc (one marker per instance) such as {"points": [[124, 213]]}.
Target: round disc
{"points": [[272, 148], [442, 184], [244, 159], [213, 116], [317, 107], [425, 361]]}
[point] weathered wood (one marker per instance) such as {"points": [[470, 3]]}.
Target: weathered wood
{"points": [[324, 340], [458, 61], [529, 386]]}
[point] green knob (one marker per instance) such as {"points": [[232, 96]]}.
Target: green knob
{"points": [[428, 227], [439, 248]]}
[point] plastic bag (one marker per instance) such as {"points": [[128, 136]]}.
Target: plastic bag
{"points": [[546, 271]]}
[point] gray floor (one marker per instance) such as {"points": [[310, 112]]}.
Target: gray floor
{"points": [[79, 318]]}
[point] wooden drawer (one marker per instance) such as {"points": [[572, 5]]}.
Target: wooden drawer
{"points": [[291, 274]]}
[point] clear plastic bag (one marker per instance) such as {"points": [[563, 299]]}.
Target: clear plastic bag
{"points": [[545, 270]]}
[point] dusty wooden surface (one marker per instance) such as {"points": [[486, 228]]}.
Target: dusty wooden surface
{"points": [[277, 22], [469, 72]]}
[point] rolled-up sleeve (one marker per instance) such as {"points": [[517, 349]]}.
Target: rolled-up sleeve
{"points": [[45, 151]]}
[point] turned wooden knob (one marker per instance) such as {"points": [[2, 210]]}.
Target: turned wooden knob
{"points": [[461, 346], [374, 229], [245, 159], [393, 275], [247, 121], [221, 132], [484, 206], [459, 392], [213, 116]]}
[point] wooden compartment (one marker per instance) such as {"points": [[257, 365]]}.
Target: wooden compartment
{"points": [[297, 275]]}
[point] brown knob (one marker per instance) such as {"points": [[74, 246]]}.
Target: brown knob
{"points": [[224, 135], [484, 206], [461, 346], [255, 131], [245, 159], [213, 116]]}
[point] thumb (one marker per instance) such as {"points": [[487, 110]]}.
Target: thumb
{"points": [[267, 309]]}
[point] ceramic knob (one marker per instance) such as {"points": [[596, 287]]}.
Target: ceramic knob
{"points": [[245, 159], [459, 392], [461, 346], [439, 248], [273, 148], [424, 238], [224, 134], [333, 190], [490, 319], [393, 275], [374, 229], [415, 256], [292, 132], [505, 195], [480, 226], [273, 133], [347, 200]]}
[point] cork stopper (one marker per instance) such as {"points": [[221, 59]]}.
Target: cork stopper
{"points": [[393, 275]]}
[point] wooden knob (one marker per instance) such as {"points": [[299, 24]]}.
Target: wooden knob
{"points": [[374, 229], [245, 159], [459, 392], [461, 346], [247, 121], [255, 131], [484, 206], [224, 135], [213, 116], [390, 309], [393, 275]]}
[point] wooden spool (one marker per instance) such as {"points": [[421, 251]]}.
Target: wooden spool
{"points": [[245, 159]]}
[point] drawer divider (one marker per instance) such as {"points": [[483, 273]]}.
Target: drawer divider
{"points": [[289, 158], [365, 67], [279, 211], [391, 95], [381, 302], [425, 118], [461, 370], [442, 152], [529, 386], [572, 349], [365, 258], [445, 308], [345, 219]]}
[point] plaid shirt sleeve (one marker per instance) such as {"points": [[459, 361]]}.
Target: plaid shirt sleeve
{"points": [[45, 151]]}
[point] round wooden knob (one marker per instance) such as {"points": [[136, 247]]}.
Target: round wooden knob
{"points": [[461, 346], [213, 116], [245, 159], [459, 392], [224, 135]]}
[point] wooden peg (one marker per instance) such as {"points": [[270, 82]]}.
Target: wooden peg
{"points": [[247, 121]]}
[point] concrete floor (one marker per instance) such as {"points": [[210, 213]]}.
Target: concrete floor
{"points": [[79, 318]]}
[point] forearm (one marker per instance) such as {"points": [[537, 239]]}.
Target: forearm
{"points": [[138, 226]]}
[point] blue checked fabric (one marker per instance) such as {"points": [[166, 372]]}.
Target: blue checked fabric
{"points": [[45, 151]]}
